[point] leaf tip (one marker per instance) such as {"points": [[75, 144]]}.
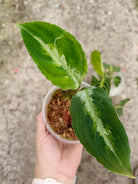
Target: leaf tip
{"points": [[131, 176], [18, 25], [95, 51]]}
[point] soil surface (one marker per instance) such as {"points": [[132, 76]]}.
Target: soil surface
{"points": [[58, 114], [111, 26]]}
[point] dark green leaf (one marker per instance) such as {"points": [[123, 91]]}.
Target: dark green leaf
{"points": [[57, 53], [94, 81], [117, 80], [119, 106], [103, 82], [98, 128], [97, 63]]}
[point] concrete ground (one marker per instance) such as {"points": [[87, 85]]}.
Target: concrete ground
{"points": [[110, 26]]}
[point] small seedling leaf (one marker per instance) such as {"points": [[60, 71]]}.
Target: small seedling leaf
{"points": [[120, 105], [97, 63]]}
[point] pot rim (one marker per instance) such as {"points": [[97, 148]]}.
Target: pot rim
{"points": [[44, 112]]}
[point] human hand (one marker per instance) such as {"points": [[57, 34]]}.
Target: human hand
{"points": [[55, 159]]}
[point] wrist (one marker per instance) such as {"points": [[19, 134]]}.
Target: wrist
{"points": [[55, 175]]}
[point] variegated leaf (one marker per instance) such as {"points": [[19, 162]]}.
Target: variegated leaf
{"points": [[98, 128], [56, 52]]}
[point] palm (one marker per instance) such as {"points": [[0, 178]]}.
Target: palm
{"points": [[55, 156]]}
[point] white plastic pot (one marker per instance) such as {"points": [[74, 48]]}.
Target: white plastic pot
{"points": [[44, 112]]}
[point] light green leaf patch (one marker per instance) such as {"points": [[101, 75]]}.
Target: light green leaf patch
{"points": [[97, 63], [98, 128], [57, 53]]}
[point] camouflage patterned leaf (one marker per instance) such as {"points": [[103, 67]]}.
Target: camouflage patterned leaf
{"points": [[98, 128]]}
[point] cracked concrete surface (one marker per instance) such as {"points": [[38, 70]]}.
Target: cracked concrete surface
{"points": [[110, 26]]}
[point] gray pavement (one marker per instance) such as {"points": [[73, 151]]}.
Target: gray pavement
{"points": [[110, 26]]}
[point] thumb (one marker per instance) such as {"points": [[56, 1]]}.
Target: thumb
{"points": [[40, 123], [41, 129]]}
